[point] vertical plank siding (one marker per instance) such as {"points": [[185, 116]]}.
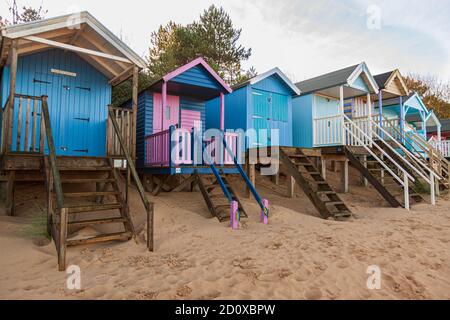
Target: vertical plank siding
{"points": [[78, 105]]}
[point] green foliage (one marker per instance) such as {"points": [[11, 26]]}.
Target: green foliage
{"points": [[36, 228], [122, 93], [212, 37]]}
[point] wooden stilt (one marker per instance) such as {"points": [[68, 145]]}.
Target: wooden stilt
{"points": [[9, 205], [344, 176], [148, 182], [276, 179], [185, 183], [364, 181], [290, 186], [62, 239], [334, 166], [323, 165]]}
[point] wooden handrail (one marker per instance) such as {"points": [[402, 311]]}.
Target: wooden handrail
{"points": [[149, 207], [52, 155]]}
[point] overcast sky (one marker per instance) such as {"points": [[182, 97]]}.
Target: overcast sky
{"points": [[304, 38]]}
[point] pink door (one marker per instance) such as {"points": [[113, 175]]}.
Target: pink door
{"points": [[171, 112], [191, 119]]}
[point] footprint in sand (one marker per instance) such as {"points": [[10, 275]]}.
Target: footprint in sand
{"points": [[343, 264], [313, 294], [184, 291]]}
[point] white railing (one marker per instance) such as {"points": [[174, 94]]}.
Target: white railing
{"points": [[328, 131], [418, 166], [215, 147], [182, 147], [443, 147], [362, 136], [353, 131]]}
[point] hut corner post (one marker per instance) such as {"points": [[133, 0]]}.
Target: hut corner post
{"points": [[14, 55], [342, 110]]}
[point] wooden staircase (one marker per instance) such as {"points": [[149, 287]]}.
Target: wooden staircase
{"points": [[307, 176], [88, 208], [380, 178], [215, 198]]}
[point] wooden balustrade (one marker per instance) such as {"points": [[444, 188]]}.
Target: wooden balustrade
{"points": [[23, 128], [125, 123]]}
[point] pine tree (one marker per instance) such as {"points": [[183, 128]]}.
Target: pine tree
{"points": [[213, 37]]}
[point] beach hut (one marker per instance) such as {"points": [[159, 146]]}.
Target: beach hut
{"points": [[261, 103], [318, 113], [56, 123], [335, 113], [403, 118], [170, 137]]}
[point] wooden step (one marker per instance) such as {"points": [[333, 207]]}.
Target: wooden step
{"points": [[94, 208], [85, 168], [325, 192], [298, 164], [79, 181], [90, 194], [87, 223], [334, 203], [122, 236], [298, 156]]}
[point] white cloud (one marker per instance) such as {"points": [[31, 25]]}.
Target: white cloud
{"points": [[304, 38]]}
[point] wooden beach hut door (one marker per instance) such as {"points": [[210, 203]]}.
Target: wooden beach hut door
{"points": [[270, 112], [261, 117], [75, 118]]}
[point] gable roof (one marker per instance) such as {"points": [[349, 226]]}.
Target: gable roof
{"points": [[78, 32], [346, 76], [275, 71], [192, 64], [381, 79], [72, 21], [384, 80]]}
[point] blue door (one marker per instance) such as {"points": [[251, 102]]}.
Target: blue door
{"points": [[76, 118], [261, 117], [270, 112], [70, 112]]}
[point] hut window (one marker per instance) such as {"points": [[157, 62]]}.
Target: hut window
{"points": [[167, 111]]}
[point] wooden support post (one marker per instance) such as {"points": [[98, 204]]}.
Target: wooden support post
{"points": [[364, 181], [290, 187], [62, 239], [342, 110], [12, 91], [334, 166], [344, 176], [222, 111], [323, 166], [135, 103], [164, 103], [9, 205], [276, 179], [148, 182], [150, 226], [251, 173]]}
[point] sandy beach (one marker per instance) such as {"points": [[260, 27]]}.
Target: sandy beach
{"points": [[297, 256]]}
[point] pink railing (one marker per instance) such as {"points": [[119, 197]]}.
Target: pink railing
{"points": [[174, 147], [157, 148]]}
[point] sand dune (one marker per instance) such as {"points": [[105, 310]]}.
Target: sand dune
{"points": [[297, 256]]}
